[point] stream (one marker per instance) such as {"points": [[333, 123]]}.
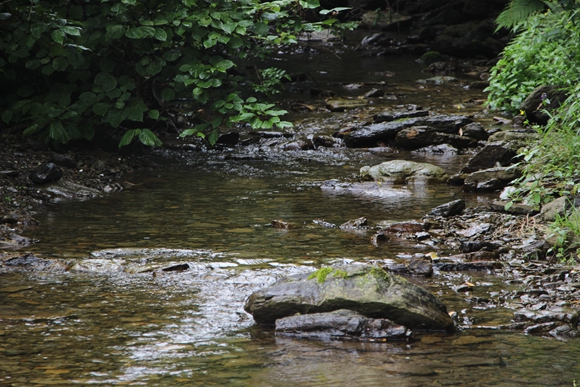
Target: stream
{"points": [[164, 267]]}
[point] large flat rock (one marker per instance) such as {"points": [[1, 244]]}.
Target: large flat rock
{"points": [[368, 290]]}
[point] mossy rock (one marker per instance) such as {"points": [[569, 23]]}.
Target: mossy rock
{"points": [[366, 289]]}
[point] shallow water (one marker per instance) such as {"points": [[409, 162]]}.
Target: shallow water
{"points": [[118, 320]]}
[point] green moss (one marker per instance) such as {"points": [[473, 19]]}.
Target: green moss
{"points": [[321, 274], [340, 273], [380, 273]]}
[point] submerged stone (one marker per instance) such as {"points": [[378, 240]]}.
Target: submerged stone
{"points": [[366, 289], [341, 324]]}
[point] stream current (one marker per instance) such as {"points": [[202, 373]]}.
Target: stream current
{"points": [[117, 320]]}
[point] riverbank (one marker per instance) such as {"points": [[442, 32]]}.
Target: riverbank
{"points": [[83, 173]]}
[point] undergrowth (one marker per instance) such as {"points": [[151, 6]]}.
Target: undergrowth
{"points": [[546, 52]]}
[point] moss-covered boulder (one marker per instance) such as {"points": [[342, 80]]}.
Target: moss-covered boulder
{"points": [[366, 289]]}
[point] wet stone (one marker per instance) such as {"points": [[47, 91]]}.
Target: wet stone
{"points": [[342, 325], [389, 115], [279, 224], [355, 224], [405, 227], [489, 156], [452, 208], [46, 173]]}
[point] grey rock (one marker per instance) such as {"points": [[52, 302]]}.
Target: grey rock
{"points": [[355, 224], [340, 104], [557, 207], [535, 108], [366, 289], [476, 131], [46, 173], [384, 132], [401, 171], [390, 115], [452, 208], [491, 179], [341, 324], [488, 157], [421, 136]]}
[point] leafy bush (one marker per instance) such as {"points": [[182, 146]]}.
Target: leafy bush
{"points": [[72, 68], [546, 52]]}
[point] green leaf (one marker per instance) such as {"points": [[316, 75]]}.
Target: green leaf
{"points": [[135, 111], [32, 129], [224, 65], [57, 132], [88, 97], [154, 114], [101, 108], [37, 29], [106, 81], [336, 9], [74, 31], [128, 137], [25, 91], [160, 34], [213, 137], [167, 94], [135, 33], [115, 31], [6, 116], [60, 63], [57, 36], [216, 122], [154, 68], [147, 137], [309, 4]]}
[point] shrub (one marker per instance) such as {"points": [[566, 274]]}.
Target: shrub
{"points": [[73, 68]]}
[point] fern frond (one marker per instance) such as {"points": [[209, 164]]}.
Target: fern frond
{"points": [[517, 11]]}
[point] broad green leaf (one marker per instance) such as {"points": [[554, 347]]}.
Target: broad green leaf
{"points": [[102, 78], [25, 91], [160, 34], [167, 94], [147, 137], [101, 108], [213, 137], [74, 31], [147, 31], [154, 114], [135, 33], [32, 64], [336, 9], [60, 63], [128, 137], [135, 111], [57, 36], [224, 65], [88, 97], [57, 132], [311, 4], [32, 129], [6, 116], [154, 68], [216, 122], [130, 2], [235, 42], [115, 31], [37, 29]]}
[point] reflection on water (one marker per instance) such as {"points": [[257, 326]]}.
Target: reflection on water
{"points": [[118, 321]]}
